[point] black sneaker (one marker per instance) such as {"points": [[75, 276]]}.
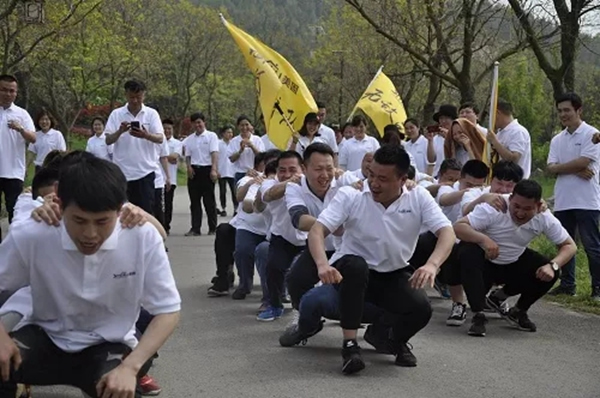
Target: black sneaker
{"points": [[596, 294], [458, 315], [191, 232], [352, 360], [560, 289], [223, 213], [379, 338], [217, 291], [496, 304], [213, 232], [293, 335], [239, 294], [520, 320], [478, 325], [405, 356]]}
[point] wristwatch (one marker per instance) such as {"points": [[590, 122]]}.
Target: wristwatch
{"points": [[554, 266]]}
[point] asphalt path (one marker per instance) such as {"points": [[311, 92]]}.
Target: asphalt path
{"points": [[220, 350]]}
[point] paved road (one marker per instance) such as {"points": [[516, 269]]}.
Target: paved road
{"points": [[220, 350]]}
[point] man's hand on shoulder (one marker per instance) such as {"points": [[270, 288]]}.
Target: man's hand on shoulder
{"points": [[132, 216]]}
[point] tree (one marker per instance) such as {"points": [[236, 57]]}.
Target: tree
{"points": [[569, 20]]}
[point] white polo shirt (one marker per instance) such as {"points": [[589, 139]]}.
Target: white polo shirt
{"points": [[440, 156], [267, 143], [513, 239], [570, 191], [304, 142], [471, 195], [452, 212], [246, 160], [97, 146], [354, 150], [328, 136], [385, 238], [482, 129], [159, 173], [135, 156], [46, 143], [225, 166], [175, 146], [516, 138], [281, 224], [418, 150], [301, 195], [79, 300], [252, 222], [199, 147], [12, 143]]}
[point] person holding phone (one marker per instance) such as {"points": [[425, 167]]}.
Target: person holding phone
{"points": [[135, 130]]}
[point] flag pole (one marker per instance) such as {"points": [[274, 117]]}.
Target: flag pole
{"points": [[367, 89], [494, 98]]}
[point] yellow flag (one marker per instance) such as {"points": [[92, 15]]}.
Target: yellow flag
{"points": [[277, 83], [490, 156], [382, 103]]}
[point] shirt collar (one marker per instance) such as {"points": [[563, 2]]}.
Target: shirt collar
{"points": [[109, 244], [142, 110]]}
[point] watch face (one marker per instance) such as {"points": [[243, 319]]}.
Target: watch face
{"points": [[555, 266]]}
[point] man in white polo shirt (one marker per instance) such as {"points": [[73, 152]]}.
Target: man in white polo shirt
{"points": [[175, 153], [494, 249], [134, 130], [16, 130], [88, 278], [202, 159], [574, 158], [381, 229], [512, 141]]}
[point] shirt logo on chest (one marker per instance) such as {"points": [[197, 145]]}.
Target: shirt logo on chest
{"points": [[404, 211], [123, 274]]}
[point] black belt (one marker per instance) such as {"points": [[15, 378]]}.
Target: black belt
{"points": [[195, 166]]}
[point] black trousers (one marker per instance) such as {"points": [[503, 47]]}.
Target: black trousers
{"points": [[479, 274], [450, 269], [202, 190], [279, 261], [224, 249], [159, 205], [223, 183], [141, 192], [169, 196], [45, 364], [11, 188]]}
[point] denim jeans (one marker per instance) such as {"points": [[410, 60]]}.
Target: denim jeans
{"points": [[261, 255], [586, 223], [245, 247]]}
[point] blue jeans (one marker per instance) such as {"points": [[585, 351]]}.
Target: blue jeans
{"points": [[245, 247], [261, 255], [586, 223]]}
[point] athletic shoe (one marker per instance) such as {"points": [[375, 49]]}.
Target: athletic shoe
{"points": [[217, 291], [191, 232], [293, 335], [405, 357], [560, 289], [352, 361], [478, 325], [262, 307], [270, 314], [212, 233], [520, 320], [458, 315], [442, 289], [379, 338], [496, 304], [149, 386], [595, 296], [239, 294]]}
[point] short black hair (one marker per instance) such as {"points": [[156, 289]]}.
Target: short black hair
{"points": [[8, 78], [505, 170], [271, 168], [73, 158], [52, 157], [358, 119], [134, 86], [272, 155], [573, 98], [391, 128], [412, 172], [475, 168], [393, 155], [45, 177], [241, 118], [197, 115], [321, 105], [99, 118], [225, 128], [469, 104], [505, 107], [528, 189], [346, 125], [168, 121], [413, 121], [450, 164], [258, 159], [289, 155], [317, 147], [93, 184]]}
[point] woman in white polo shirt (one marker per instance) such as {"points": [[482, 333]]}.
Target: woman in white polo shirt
{"points": [[97, 142], [416, 144], [308, 134], [47, 138], [353, 151], [244, 148]]}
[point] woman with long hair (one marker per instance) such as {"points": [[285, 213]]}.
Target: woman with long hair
{"points": [[464, 142], [416, 144], [308, 134]]}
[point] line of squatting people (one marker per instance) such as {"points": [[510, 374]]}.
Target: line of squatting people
{"points": [[360, 247]]}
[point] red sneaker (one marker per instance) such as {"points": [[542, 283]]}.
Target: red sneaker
{"points": [[149, 386]]}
